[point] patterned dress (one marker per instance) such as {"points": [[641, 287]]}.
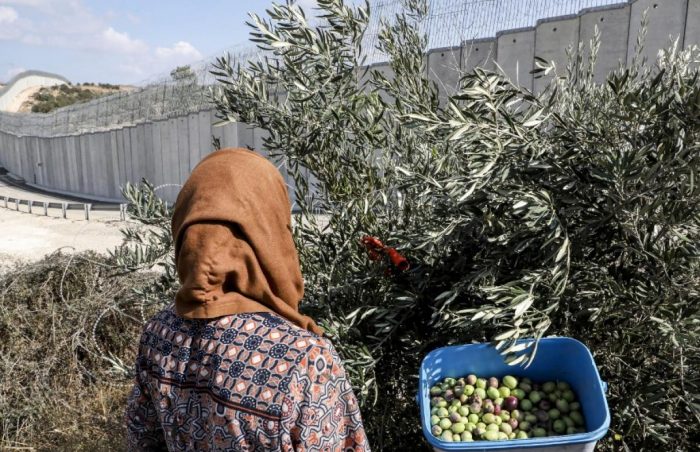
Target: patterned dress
{"points": [[246, 382]]}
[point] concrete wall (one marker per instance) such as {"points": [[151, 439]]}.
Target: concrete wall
{"points": [[552, 37], [613, 25], [97, 164], [667, 20], [444, 68], [692, 24], [515, 54], [479, 53]]}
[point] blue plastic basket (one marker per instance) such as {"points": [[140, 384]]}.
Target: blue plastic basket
{"points": [[558, 358]]}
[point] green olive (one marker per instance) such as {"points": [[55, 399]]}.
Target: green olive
{"points": [[510, 382], [568, 421], [531, 418], [549, 386], [436, 430], [450, 381], [568, 395], [570, 430], [562, 405], [481, 383], [524, 425], [490, 435], [498, 420], [535, 397], [516, 414], [434, 420], [506, 428], [481, 425], [463, 411], [498, 401], [526, 405], [504, 391], [473, 418], [554, 413], [493, 393], [442, 412], [559, 426], [539, 432], [563, 386], [445, 423], [492, 427], [502, 436], [435, 391], [521, 435], [488, 418], [481, 392], [446, 436], [469, 390], [576, 417], [434, 410], [575, 406], [458, 427], [466, 436], [504, 415], [519, 393]]}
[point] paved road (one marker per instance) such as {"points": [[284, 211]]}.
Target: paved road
{"points": [[15, 190]]}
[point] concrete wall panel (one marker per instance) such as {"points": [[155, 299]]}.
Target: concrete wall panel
{"points": [[121, 157], [479, 53], [229, 133], [552, 37], [692, 25], [147, 151], [515, 53], [193, 137], [113, 155], [129, 143], [666, 23], [205, 146], [183, 149], [444, 68], [613, 26], [141, 152], [157, 156], [171, 159]]}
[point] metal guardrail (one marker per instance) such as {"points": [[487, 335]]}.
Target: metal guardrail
{"points": [[7, 201]]}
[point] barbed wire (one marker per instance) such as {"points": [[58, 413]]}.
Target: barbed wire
{"points": [[186, 91]]}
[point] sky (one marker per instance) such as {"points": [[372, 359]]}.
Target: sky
{"points": [[119, 41]]}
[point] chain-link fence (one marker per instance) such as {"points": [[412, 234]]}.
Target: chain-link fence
{"points": [[449, 23]]}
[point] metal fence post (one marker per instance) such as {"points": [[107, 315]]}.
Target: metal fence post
{"points": [[63, 209], [46, 209], [29, 205], [17, 204], [87, 208]]}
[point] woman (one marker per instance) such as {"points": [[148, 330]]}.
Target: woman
{"points": [[233, 365]]}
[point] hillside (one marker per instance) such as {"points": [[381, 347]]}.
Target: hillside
{"points": [[44, 100]]}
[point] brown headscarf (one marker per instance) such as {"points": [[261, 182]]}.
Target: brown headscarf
{"points": [[234, 250]]}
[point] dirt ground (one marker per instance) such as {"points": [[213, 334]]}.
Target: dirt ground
{"points": [[28, 237]]}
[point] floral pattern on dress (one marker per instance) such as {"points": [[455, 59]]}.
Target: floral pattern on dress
{"points": [[246, 382]]}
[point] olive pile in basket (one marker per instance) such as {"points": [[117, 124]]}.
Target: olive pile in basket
{"points": [[474, 409]]}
